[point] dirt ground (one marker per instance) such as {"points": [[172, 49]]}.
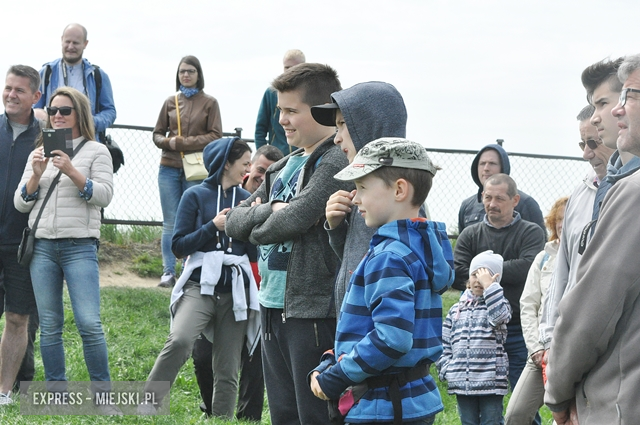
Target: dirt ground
{"points": [[115, 264]]}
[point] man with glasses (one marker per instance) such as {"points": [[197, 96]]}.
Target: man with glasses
{"points": [[603, 90], [74, 71], [577, 214], [18, 131], [594, 361]]}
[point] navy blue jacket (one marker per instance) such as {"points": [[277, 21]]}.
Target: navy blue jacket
{"points": [[14, 155]]}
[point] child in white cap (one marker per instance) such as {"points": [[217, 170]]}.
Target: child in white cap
{"points": [[474, 362]]}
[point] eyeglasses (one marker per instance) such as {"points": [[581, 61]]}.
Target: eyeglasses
{"points": [[64, 110], [593, 144], [623, 95], [187, 71]]}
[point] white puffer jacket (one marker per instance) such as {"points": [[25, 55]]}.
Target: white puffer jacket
{"points": [[66, 214]]}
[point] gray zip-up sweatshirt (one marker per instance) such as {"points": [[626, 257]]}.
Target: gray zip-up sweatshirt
{"points": [[312, 264]]}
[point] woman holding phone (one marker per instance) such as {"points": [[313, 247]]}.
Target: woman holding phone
{"points": [[67, 235]]}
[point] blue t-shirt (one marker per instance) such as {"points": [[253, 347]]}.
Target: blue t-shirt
{"points": [[274, 258]]}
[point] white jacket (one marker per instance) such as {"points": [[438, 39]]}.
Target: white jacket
{"points": [[66, 214], [577, 214]]}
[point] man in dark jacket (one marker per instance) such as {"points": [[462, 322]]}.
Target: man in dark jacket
{"points": [[518, 241], [18, 131], [493, 159]]}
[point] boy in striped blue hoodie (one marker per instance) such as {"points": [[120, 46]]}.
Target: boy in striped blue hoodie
{"points": [[390, 324]]}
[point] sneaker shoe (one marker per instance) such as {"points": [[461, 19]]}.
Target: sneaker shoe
{"points": [[146, 409], [109, 410], [167, 281], [5, 399]]}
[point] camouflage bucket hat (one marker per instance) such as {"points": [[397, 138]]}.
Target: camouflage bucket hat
{"points": [[389, 152]]}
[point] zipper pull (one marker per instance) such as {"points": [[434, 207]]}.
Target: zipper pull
{"points": [[284, 319]]}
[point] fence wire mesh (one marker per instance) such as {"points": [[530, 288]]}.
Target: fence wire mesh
{"points": [[546, 178]]}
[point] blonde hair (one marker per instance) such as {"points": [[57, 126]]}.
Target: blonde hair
{"points": [[552, 218], [82, 108]]}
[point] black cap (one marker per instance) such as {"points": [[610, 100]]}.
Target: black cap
{"points": [[325, 114]]}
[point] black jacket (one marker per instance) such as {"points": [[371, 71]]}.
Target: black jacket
{"points": [[13, 158]]}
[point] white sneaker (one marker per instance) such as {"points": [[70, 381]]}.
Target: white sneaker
{"points": [[146, 409], [5, 399], [167, 281]]}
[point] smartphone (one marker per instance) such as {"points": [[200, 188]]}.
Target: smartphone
{"points": [[57, 139]]}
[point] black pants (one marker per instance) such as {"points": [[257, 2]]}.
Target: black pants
{"points": [[290, 351], [27, 368], [251, 387]]}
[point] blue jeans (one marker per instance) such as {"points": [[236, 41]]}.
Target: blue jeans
{"points": [[172, 185], [76, 261], [480, 410]]}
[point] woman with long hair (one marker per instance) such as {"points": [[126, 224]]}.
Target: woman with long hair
{"points": [[67, 235], [199, 117]]}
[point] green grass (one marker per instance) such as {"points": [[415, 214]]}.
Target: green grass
{"points": [[121, 235], [136, 324]]}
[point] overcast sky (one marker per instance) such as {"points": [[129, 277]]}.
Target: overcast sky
{"points": [[470, 71]]}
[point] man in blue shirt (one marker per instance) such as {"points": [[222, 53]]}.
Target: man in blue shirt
{"points": [[74, 71]]}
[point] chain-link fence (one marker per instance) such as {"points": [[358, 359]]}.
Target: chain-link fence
{"points": [[545, 178]]}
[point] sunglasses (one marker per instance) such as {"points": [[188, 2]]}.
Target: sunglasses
{"points": [[593, 144], [64, 110]]}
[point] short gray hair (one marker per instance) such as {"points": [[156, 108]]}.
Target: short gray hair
{"points": [[27, 72], [501, 178], [628, 67], [586, 113]]}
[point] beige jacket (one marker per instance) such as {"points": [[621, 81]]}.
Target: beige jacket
{"points": [[200, 122], [595, 350], [66, 214]]}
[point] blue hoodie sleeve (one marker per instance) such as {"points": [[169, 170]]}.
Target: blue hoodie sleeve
{"points": [[389, 293], [187, 236]]}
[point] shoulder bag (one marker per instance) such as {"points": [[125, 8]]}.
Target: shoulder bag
{"points": [[192, 163], [25, 250]]}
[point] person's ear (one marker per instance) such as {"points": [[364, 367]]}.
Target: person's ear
{"points": [[404, 190]]}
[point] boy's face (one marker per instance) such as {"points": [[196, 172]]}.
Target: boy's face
{"points": [[604, 99], [374, 200], [343, 138], [301, 129], [474, 285]]}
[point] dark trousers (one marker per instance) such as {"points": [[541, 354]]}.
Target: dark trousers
{"points": [[250, 389], [290, 351], [27, 368]]}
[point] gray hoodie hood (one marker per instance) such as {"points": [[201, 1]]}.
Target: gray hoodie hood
{"points": [[372, 110]]}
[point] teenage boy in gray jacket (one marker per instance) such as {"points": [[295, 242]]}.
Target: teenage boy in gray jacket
{"points": [[285, 218], [362, 114]]}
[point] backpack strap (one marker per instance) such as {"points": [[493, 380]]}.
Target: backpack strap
{"points": [[47, 78], [97, 76]]}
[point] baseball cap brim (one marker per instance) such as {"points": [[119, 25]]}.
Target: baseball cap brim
{"points": [[325, 114]]}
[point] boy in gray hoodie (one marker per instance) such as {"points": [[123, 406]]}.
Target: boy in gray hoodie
{"points": [[362, 114]]}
